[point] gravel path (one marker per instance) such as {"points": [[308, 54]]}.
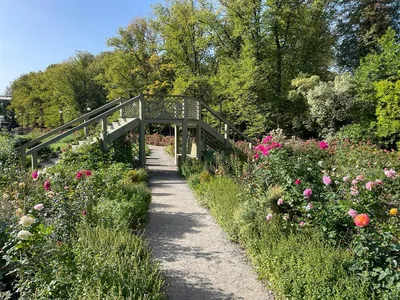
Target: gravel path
{"points": [[198, 260]]}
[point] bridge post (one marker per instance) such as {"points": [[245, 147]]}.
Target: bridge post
{"points": [[142, 132], [34, 160], [185, 129], [104, 132], [86, 128], [226, 135], [199, 146], [176, 143]]}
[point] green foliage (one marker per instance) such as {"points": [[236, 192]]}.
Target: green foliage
{"points": [[308, 244], [329, 104], [121, 149], [114, 264], [299, 266], [135, 176], [388, 109], [81, 212], [359, 26], [378, 66], [357, 133], [191, 166], [69, 87]]}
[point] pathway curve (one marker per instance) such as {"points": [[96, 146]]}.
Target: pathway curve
{"points": [[199, 262]]}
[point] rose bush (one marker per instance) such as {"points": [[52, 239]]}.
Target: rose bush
{"points": [[324, 186]]}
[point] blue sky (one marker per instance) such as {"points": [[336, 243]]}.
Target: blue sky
{"points": [[37, 33]]}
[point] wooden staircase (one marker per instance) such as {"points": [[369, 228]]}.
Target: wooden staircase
{"points": [[191, 118]]}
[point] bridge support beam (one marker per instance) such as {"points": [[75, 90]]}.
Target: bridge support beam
{"points": [[176, 143], [185, 129], [142, 132]]}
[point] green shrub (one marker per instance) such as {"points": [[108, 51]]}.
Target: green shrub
{"points": [[135, 175], [126, 208], [191, 166], [114, 264], [302, 266]]}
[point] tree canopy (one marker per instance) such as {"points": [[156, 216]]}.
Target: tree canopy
{"points": [[263, 64]]}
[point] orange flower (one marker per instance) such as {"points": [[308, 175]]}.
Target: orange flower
{"points": [[393, 211], [361, 220]]}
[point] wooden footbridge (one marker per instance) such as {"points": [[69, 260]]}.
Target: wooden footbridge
{"points": [[197, 126]]}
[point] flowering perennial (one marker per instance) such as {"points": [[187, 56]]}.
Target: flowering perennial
{"points": [[361, 220]]}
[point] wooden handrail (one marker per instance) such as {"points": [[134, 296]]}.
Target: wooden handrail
{"points": [[217, 115], [70, 123], [72, 130]]}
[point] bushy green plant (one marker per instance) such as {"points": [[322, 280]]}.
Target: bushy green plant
{"points": [[114, 264], [135, 176], [191, 166], [44, 211]]}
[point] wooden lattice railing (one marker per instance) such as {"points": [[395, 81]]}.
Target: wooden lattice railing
{"points": [[212, 130]]}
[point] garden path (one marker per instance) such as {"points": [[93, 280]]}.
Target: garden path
{"points": [[199, 262]]}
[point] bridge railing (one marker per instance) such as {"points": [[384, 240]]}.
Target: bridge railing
{"points": [[102, 116], [213, 122]]}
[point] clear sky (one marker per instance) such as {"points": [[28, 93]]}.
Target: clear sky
{"points": [[37, 33]]}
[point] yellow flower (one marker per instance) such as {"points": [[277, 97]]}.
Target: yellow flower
{"points": [[393, 212], [21, 185]]}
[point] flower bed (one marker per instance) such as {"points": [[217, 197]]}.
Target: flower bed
{"points": [[69, 231], [340, 199]]}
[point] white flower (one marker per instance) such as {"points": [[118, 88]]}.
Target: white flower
{"points": [[39, 206], [24, 235], [26, 221]]}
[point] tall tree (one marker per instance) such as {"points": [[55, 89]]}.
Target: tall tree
{"points": [[360, 24], [187, 45]]}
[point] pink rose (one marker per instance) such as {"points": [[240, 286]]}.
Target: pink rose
{"points": [[390, 173], [34, 174], [267, 139], [39, 206], [78, 175], [47, 185], [307, 193], [323, 145], [352, 213], [302, 223], [268, 217], [378, 182], [327, 180], [360, 177], [280, 201], [88, 173], [354, 191], [354, 181], [309, 206], [297, 182], [345, 178], [369, 185]]}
